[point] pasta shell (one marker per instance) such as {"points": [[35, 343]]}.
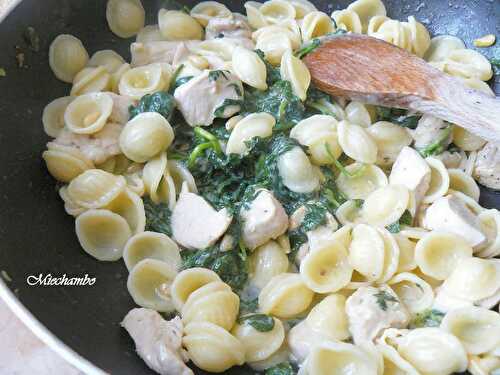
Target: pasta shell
{"points": [[326, 270], [249, 68], [212, 348], [367, 252], [390, 140], [151, 245], [149, 284], [187, 281], [285, 296], [67, 56], [53, 115], [206, 10], [277, 11], [125, 17], [462, 182], [255, 18], [102, 234], [145, 136], [150, 33], [490, 225], [440, 180], [91, 80], [367, 9], [441, 47], [154, 176], [254, 125], [364, 180], [70, 207], [297, 172], [292, 69], [108, 59], [416, 294], [357, 143], [466, 140], [259, 345], [181, 175], [274, 46], [130, 206], [88, 113], [65, 163], [348, 20], [177, 25], [95, 188], [142, 80], [329, 318], [357, 113], [316, 24], [385, 205], [266, 262]]}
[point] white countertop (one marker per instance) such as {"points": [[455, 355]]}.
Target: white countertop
{"points": [[21, 353]]}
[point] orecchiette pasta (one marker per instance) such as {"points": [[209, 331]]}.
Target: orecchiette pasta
{"points": [[357, 143], [150, 33], [108, 59], [91, 80], [143, 80], [462, 182], [466, 140], [406, 253], [367, 252], [149, 284], [367, 9], [394, 364], [206, 10], [416, 294], [358, 114], [385, 205], [285, 296], [433, 351], [125, 17], [254, 16], [157, 182], [177, 25], [292, 69], [438, 253], [349, 212], [180, 176], [88, 113], [67, 56], [327, 269], [316, 24], [130, 206], [391, 256], [214, 303], [259, 345], [348, 20], [440, 180], [266, 262], [65, 163], [468, 63], [145, 136], [151, 245], [102, 234], [441, 46], [277, 11], [490, 224], [477, 329], [95, 188], [390, 140], [212, 348], [297, 172], [362, 181], [249, 67], [187, 281], [70, 207], [53, 115], [254, 125], [329, 318], [274, 45]]}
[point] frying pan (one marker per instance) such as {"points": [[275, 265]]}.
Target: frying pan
{"points": [[36, 235]]}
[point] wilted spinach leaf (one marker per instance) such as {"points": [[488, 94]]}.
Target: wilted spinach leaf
{"points": [[282, 369], [261, 322], [161, 102], [157, 217], [398, 116]]}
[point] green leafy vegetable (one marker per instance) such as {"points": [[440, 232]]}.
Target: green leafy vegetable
{"points": [[214, 75], [405, 219], [180, 82], [3, 73], [438, 146], [161, 102], [157, 217], [495, 61], [228, 102], [248, 306], [261, 322], [383, 297], [273, 73], [282, 369], [427, 318], [227, 264], [308, 48], [398, 116]]}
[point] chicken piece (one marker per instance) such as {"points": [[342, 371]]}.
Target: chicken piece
{"points": [[412, 171], [156, 52], [450, 214], [235, 27], [487, 167], [97, 147], [195, 223], [158, 342], [370, 310], [264, 220], [199, 99], [121, 104], [430, 130]]}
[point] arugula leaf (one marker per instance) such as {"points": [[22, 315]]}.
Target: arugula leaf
{"points": [[438, 146], [261, 322], [383, 297], [398, 116], [405, 219], [157, 217], [161, 102], [427, 318], [214, 75], [281, 369], [227, 264]]}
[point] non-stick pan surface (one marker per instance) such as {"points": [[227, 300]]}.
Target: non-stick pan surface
{"points": [[36, 236]]}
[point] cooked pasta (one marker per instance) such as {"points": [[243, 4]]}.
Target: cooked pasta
{"points": [[286, 228]]}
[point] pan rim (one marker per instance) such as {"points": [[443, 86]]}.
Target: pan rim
{"points": [[43, 333]]}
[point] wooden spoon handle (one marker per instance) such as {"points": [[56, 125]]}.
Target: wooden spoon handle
{"points": [[473, 110]]}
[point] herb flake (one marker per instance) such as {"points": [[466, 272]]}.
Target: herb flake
{"points": [[427, 318], [383, 298]]}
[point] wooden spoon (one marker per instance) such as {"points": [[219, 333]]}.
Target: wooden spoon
{"points": [[372, 71]]}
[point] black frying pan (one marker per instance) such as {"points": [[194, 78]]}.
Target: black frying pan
{"points": [[36, 235]]}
